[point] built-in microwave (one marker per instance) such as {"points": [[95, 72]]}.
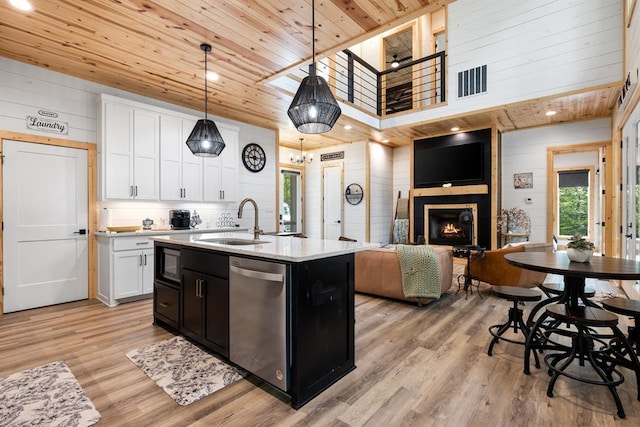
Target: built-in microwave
{"points": [[170, 264]]}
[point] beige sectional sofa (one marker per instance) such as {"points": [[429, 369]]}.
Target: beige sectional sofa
{"points": [[377, 272]]}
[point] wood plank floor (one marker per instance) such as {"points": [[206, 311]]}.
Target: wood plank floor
{"points": [[422, 366]]}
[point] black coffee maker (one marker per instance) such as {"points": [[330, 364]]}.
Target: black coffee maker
{"points": [[179, 219]]}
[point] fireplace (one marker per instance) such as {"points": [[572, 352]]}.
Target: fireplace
{"points": [[442, 225]]}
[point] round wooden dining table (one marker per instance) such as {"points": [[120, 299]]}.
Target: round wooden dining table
{"points": [[575, 273]]}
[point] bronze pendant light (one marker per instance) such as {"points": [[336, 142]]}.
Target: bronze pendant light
{"points": [[314, 109], [205, 139]]}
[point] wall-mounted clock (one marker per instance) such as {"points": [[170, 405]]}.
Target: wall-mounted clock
{"points": [[253, 157]]}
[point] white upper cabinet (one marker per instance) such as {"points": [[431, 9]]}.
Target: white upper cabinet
{"points": [[220, 173], [144, 156], [180, 170], [130, 139]]}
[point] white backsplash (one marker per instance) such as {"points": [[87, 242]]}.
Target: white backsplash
{"points": [[126, 213]]}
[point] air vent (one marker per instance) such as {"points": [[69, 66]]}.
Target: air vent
{"points": [[472, 81]]}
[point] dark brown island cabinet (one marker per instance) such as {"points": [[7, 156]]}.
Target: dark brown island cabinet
{"points": [[191, 298]]}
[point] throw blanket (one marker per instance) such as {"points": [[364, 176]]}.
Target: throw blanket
{"points": [[420, 271], [401, 231]]}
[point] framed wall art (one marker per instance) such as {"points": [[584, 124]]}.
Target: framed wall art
{"points": [[523, 180]]}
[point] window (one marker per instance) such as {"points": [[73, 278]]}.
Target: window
{"points": [[574, 206]]}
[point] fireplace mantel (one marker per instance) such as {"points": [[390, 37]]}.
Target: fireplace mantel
{"points": [[451, 191]]}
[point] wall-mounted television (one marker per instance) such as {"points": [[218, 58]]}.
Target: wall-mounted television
{"points": [[448, 162]]}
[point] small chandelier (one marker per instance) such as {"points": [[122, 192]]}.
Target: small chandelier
{"points": [[314, 109], [302, 158], [205, 139]]}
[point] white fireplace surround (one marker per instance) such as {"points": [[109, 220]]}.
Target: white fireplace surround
{"points": [[472, 206]]}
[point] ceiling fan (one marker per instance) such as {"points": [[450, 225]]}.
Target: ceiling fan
{"points": [[396, 62]]}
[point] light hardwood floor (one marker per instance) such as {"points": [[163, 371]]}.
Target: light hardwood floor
{"points": [[418, 366]]}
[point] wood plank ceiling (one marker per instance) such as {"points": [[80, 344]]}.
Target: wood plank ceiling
{"points": [[151, 47]]}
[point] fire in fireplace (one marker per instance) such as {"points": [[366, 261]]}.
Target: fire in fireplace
{"points": [[445, 228]]}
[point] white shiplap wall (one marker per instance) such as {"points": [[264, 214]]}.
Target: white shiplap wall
{"points": [[632, 46], [354, 171], [25, 89], [381, 201], [532, 48], [401, 171], [526, 151]]}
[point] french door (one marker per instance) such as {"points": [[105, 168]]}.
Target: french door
{"points": [[631, 184]]}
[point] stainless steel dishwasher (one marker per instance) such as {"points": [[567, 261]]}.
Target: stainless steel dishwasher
{"points": [[258, 319]]}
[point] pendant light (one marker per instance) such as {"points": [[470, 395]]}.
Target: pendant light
{"points": [[205, 139], [302, 158], [314, 109]]}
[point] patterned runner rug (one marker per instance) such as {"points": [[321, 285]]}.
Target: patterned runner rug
{"points": [[184, 371], [47, 395]]}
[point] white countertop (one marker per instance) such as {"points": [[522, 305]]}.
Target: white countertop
{"points": [[283, 248], [144, 233]]}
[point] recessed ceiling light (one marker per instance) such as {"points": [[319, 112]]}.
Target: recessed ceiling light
{"points": [[385, 140], [550, 113], [455, 129], [212, 76], [23, 5], [347, 127]]}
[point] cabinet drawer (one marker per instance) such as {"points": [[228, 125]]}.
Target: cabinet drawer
{"points": [[166, 304], [128, 243], [205, 262]]}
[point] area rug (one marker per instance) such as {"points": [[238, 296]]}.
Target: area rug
{"points": [[184, 371], [47, 395]]}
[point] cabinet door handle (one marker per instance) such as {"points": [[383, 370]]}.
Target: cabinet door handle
{"points": [[145, 259], [184, 193], [140, 259], [222, 194], [202, 284], [131, 191], [136, 192], [164, 304]]}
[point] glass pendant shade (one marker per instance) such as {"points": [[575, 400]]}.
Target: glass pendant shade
{"points": [[205, 139], [314, 109]]}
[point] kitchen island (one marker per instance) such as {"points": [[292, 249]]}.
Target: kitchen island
{"points": [[280, 307]]}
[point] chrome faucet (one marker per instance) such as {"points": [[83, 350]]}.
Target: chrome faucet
{"points": [[256, 227]]}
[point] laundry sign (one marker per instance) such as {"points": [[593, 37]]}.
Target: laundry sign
{"points": [[332, 156], [47, 125]]}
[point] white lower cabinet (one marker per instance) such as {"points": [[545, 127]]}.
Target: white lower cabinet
{"points": [[125, 268]]}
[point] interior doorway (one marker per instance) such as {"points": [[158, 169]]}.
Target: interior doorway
{"points": [[291, 201], [398, 86]]}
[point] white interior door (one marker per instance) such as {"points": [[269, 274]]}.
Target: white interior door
{"points": [[45, 224], [332, 206]]}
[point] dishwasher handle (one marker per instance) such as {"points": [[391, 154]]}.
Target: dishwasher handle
{"points": [[260, 275]]}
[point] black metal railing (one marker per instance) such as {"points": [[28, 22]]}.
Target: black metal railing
{"points": [[414, 85]]}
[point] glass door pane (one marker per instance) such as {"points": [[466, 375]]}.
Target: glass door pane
{"points": [[631, 212], [290, 201]]}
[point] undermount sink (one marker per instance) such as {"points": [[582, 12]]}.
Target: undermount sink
{"points": [[233, 241]]}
